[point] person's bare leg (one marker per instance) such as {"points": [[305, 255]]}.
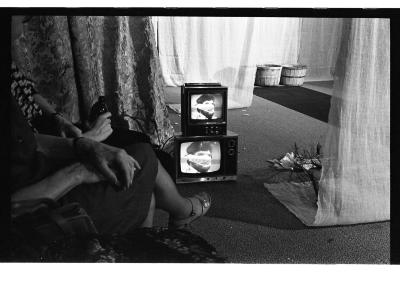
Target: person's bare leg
{"points": [[148, 222], [167, 196]]}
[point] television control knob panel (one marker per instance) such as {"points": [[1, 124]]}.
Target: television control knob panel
{"points": [[213, 130]]}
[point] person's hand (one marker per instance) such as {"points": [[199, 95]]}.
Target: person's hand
{"points": [[113, 163], [101, 128], [67, 128]]}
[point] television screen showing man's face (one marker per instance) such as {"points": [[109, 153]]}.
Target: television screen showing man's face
{"points": [[200, 156], [206, 106]]}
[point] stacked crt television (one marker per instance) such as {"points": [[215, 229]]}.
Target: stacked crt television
{"points": [[205, 151]]}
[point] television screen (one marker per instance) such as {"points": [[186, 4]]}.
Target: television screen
{"points": [[206, 106], [200, 156]]}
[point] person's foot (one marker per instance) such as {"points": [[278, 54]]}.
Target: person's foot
{"points": [[199, 204]]}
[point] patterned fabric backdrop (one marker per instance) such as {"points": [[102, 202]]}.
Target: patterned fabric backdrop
{"points": [[74, 59]]}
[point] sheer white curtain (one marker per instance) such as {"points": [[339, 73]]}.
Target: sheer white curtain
{"points": [[319, 44], [226, 50], [355, 181]]}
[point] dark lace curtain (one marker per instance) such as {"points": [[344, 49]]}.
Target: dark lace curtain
{"points": [[74, 59]]}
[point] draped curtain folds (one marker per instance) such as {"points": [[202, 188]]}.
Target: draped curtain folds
{"points": [[355, 181], [74, 59], [225, 50], [319, 45]]}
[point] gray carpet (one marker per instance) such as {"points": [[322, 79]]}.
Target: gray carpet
{"points": [[309, 102], [267, 130]]}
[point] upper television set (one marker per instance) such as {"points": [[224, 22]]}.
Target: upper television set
{"points": [[204, 109]]}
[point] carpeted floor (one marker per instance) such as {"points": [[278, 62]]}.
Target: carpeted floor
{"points": [[309, 102], [247, 224], [268, 137], [245, 200]]}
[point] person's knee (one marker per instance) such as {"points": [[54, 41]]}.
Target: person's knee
{"points": [[142, 152], [145, 156]]}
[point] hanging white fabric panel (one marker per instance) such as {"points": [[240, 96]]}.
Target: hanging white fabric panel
{"points": [[226, 50], [355, 181], [319, 45]]}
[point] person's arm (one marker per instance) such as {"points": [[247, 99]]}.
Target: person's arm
{"points": [[43, 104], [113, 163], [65, 127], [99, 131], [58, 184], [56, 147]]}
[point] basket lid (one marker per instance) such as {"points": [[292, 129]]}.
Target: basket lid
{"points": [[294, 66], [269, 66]]}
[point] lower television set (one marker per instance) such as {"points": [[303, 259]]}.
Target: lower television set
{"points": [[206, 158]]}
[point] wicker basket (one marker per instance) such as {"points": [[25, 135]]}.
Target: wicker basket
{"points": [[293, 74], [268, 75]]}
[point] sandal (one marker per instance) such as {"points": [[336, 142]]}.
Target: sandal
{"points": [[205, 202]]}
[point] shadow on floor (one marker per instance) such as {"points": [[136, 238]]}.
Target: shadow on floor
{"points": [[246, 200], [306, 101]]}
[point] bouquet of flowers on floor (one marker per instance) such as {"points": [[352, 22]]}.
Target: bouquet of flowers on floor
{"points": [[296, 161], [304, 161]]}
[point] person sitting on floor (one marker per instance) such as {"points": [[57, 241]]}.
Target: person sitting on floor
{"points": [[118, 187]]}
